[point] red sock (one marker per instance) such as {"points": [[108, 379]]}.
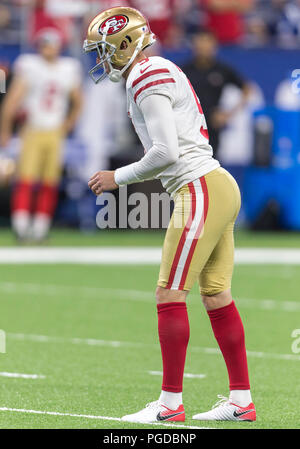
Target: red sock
{"points": [[22, 196], [174, 333], [46, 200], [229, 332]]}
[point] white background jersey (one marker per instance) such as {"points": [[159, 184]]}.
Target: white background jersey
{"points": [[48, 88], [156, 75]]}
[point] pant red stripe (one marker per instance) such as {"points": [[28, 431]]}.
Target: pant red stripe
{"points": [[183, 236], [206, 197], [197, 235]]}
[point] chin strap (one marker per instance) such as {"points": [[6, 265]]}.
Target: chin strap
{"points": [[115, 75]]}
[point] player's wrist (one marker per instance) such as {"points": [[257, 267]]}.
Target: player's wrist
{"points": [[123, 175], [115, 180]]}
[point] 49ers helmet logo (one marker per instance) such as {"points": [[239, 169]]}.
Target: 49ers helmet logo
{"points": [[113, 24]]}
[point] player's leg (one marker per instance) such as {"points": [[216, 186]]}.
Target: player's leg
{"points": [[215, 284], [182, 260], [174, 332], [48, 189], [173, 324], [27, 175], [208, 206]]}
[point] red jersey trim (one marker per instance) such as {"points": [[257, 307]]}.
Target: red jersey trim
{"points": [[153, 83], [151, 73]]}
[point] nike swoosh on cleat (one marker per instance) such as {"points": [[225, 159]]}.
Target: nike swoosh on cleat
{"points": [[237, 415], [159, 417]]}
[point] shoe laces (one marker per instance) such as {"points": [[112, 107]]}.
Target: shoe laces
{"points": [[223, 401], [152, 405]]}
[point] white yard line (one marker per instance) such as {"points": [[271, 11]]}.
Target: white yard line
{"points": [[268, 304], [131, 255], [120, 344], [103, 418], [22, 376], [52, 290], [271, 256], [186, 375], [255, 354], [75, 341], [81, 255]]}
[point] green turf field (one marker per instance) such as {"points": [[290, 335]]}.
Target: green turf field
{"points": [[91, 333]]}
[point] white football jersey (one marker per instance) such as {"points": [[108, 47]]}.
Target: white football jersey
{"points": [[48, 88], [156, 75]]}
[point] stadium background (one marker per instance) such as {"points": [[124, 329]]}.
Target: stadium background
{"points": [[263, 47], [57, 315]]}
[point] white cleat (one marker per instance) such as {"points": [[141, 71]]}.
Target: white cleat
{"points": [[224, 410], [156, 412]]}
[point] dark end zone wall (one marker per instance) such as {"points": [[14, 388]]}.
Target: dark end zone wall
{"points": [[267, 66]]}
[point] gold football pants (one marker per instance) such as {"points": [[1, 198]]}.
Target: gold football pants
{"points": [[199, 242], [40, 157]]}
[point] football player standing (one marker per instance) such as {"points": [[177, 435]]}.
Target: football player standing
{"points": [[47, 87], [169, 121]]}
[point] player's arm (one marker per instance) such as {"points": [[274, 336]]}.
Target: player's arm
{"points": [[74, 111], [159, 118], [221, 117], [246, 92], [11, 103]]}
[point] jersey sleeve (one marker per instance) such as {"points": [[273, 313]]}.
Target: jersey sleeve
{"points": [[153, 79], [23, 67], [160, 121]]}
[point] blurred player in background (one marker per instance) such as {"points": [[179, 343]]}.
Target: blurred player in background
{"points": [[47, 87], [199, 244], [210, 77]]}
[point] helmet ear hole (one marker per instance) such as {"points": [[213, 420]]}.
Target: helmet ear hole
{"points": [[123, 45]]}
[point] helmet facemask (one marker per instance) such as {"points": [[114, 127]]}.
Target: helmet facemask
{"points": [[105, 52]]}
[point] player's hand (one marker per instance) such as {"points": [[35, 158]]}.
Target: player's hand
{"points": [[67, 127], [102, 181], [220, 118]]}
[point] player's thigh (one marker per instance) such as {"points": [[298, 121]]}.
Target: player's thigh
{"points": [[216, 274], [31, 156], [209, 205], [178, 241], [188, 242], [173, 238], [52, 164]]}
